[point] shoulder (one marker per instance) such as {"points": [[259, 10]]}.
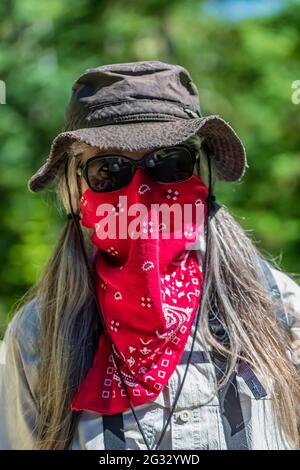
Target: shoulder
{"points": [[290, 296], [23, 331], [288, 288], [19, 379]]}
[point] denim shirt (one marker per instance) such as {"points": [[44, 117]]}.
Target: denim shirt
{"points": [[195, 425]]}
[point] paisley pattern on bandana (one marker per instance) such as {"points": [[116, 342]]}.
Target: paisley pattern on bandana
{"points": [[148, 290]]}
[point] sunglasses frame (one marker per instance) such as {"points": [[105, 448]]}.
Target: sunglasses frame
{"points": [[82, 170]]}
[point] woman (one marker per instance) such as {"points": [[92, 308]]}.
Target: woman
{"points": [[122, 341]]}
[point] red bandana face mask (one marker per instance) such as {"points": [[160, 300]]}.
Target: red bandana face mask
{"points": [[148, 286]]}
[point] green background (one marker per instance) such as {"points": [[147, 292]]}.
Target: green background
{"points": [[244, 69]]}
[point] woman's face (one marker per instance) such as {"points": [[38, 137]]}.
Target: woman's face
{"points": [[91, 152]]}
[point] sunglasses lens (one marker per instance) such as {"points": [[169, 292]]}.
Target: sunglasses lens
{"points": [[171, 165], [108, 174], [166, 165]]}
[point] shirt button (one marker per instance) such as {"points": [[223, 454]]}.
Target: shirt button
{"points": [[184, 416]]}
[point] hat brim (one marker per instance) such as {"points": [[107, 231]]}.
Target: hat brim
{"points": [[225, 146]]}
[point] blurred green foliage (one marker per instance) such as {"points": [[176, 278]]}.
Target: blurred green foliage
{"points": [[244, 71]]}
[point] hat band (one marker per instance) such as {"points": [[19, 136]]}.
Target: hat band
{"points": [[129, 111]]}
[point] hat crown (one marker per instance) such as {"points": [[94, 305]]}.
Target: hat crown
{"points": [[146, 90]]}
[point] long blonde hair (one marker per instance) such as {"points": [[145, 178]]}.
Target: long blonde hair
{"points": [[70, 329]]}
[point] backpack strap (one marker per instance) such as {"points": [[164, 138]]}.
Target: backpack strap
{"points": [[229, 400], [113, 432], [272, 286]]}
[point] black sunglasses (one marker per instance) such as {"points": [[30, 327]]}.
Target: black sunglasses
{"points": [[106, 173]]}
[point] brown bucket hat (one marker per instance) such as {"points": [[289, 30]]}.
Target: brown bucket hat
{"points": [[140, 106]]}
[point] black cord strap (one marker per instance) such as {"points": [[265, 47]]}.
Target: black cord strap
{"points": [[213, 206], [73, 216]]}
